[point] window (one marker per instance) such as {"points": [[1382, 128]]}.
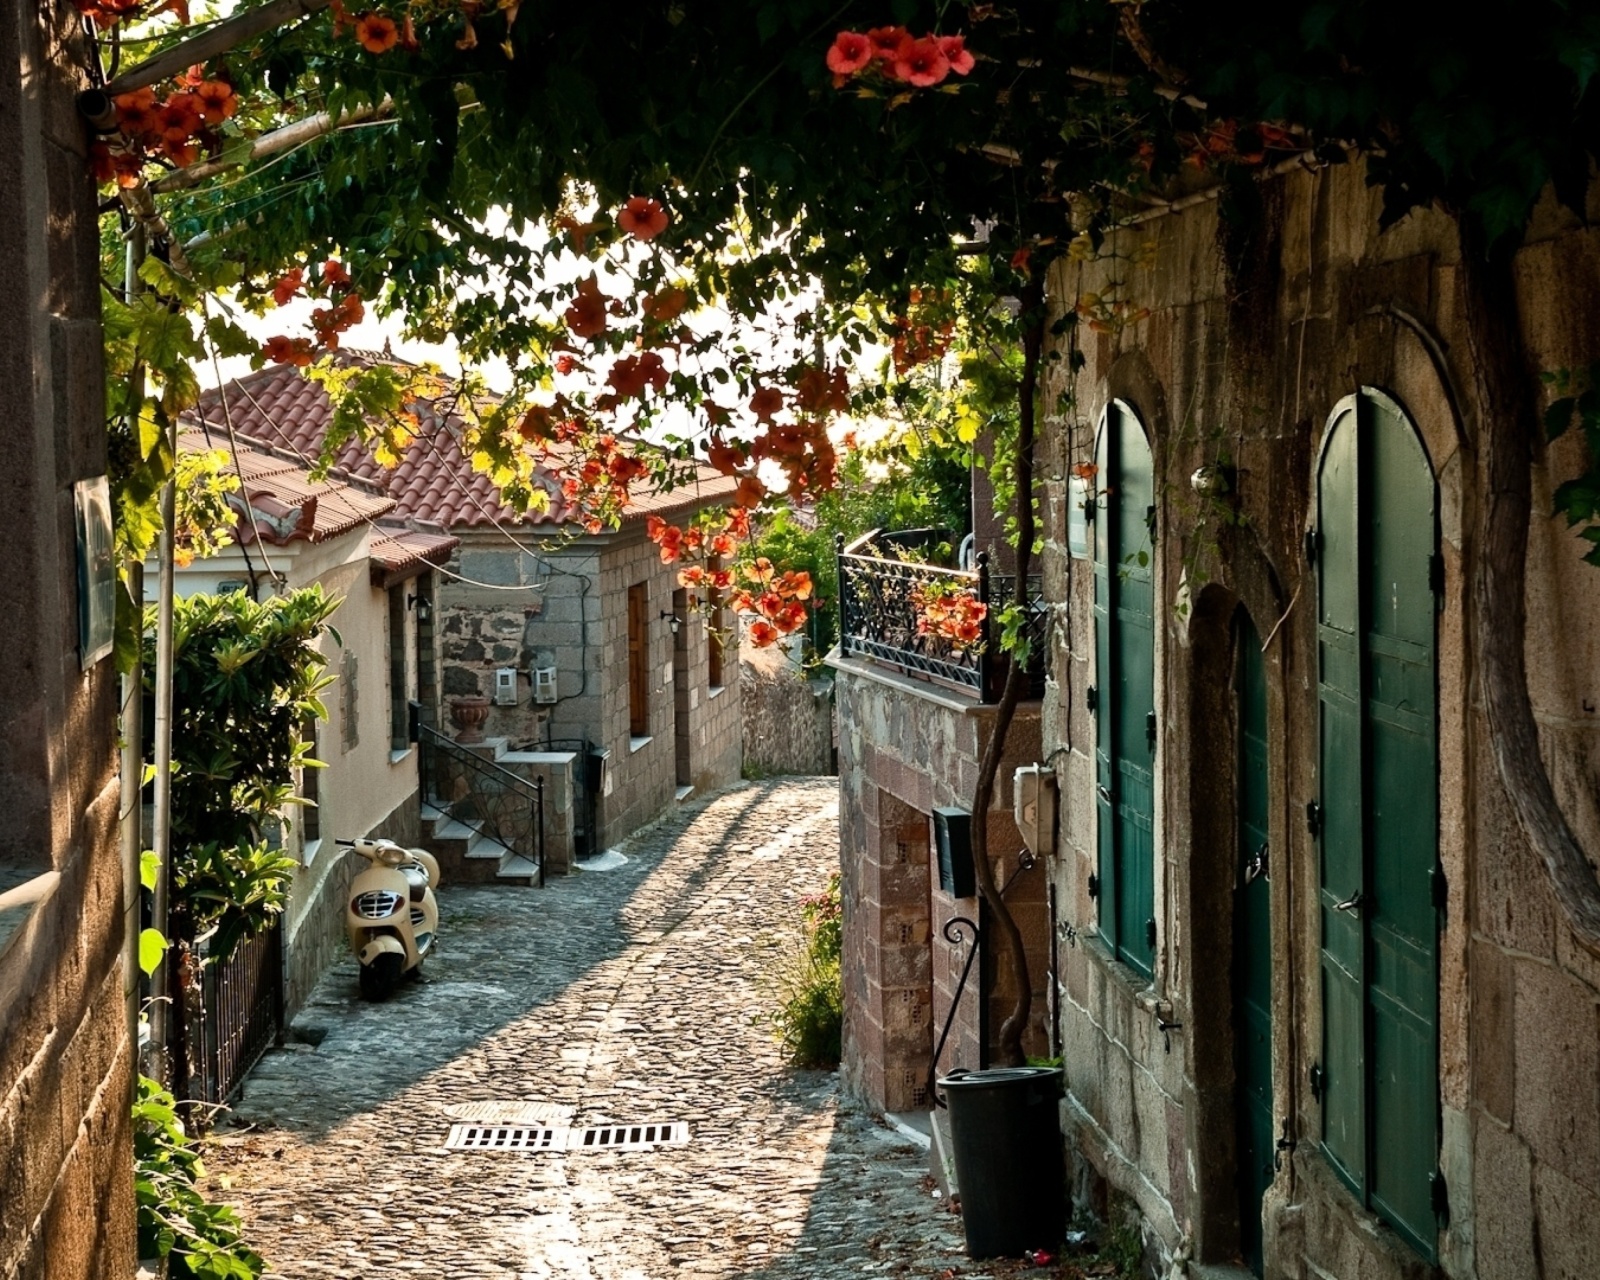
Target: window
{"points": [[399, 735], [638, 661], [1377, 822], [308, 814], [1123, 697], [427, 660]]}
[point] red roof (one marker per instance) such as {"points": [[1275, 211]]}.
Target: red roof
{"points": [[397, 554], [435, 480], [279, 502]]}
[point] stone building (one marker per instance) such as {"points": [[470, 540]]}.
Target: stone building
{"points": [[1320, 1012], [584, 643], [291, 532], [66, 900], [914, 717]]}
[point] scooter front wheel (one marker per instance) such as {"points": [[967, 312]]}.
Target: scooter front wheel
{"points": [[380, 977]]}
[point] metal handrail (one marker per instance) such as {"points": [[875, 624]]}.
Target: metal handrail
{"points": [[492, 818]]}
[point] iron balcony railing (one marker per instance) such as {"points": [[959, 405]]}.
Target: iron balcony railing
{"points": [[503, 805], [878, 614]]}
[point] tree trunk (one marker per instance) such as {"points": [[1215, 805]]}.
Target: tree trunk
{"points": [[1508, 427], [1011, 952]]}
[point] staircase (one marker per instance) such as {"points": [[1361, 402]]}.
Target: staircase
{"points": [[482, 821]]}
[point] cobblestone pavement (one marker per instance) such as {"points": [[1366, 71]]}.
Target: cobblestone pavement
{"points": [[628, 995]]}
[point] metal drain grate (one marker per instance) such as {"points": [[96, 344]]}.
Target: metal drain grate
{"points": [[550, 1114], [504, 1137], [614, 1137]]}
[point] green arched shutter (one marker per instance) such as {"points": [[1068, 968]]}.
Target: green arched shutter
{"points": [[1124, 610]]}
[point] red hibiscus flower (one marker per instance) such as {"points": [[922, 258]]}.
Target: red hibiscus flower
{"points": [[586, 317], [643, 218], [921, 63], [849, 53], [377, 33], [956, 53]]}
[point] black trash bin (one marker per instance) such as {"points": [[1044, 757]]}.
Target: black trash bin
{"points": [[1006, 1133]]}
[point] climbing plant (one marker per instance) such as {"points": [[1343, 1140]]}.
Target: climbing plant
{"points": [[574, 191]]}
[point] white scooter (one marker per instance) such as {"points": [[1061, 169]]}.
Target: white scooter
{"points": [[393, 918]]}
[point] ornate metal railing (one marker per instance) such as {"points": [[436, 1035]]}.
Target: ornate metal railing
{"points": [[236, 1018], [878, 615], [503, 805]]}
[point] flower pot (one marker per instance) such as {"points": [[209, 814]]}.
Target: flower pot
{"points": [[469, 712]]}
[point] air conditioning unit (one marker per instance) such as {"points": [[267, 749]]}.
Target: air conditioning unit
{"points": [[505, 687], [544, 684]]}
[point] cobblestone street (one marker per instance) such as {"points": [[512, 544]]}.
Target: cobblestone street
{"points": [[627, 995]]}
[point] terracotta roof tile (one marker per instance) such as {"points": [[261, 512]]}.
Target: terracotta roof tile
{"points": [[396, 553], [435, 480]]}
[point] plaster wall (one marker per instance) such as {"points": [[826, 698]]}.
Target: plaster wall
{"points": [[66, 901], [1253, 335]]}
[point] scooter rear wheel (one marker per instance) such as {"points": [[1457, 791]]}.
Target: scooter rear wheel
{"points": [[380, 977]]}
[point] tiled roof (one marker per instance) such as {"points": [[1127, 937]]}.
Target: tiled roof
{"points": [[397, 553], [278, 499], [435, 481]]}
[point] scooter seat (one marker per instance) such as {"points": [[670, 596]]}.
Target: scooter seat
{"points": [[417, 879]]}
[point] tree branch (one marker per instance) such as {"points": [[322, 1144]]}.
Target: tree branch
{"points": [[209, 43], [1508, 427]]}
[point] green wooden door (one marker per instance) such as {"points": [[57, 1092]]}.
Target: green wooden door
{"points": [[1379, 803], [1252, 948], [1124, 608]]}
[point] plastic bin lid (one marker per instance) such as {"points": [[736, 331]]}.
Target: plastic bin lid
{"points": [[997, 1077]]}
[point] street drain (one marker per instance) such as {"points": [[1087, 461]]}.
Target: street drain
{"points": [[614, 1137], [551, 1114], [536, 1137], [504, 1137]]}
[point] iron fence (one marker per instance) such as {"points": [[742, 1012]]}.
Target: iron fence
{"points": [[238, 1015], [878, 615], [500, 804]]}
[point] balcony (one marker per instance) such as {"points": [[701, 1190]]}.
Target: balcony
{"points": [[879, 574]]}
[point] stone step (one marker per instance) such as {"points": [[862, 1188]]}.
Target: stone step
{"points": [[515, 869]]}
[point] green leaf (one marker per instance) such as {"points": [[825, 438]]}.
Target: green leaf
{"points": [[1558, 417], [152, 947], [149, 869]]}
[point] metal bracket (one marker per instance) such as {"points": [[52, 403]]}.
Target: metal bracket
{"points": [[1091, 699], [1094, 885], [1319, 1080], [1313, 818], [1257, 866], [1286, 1142], [1313, 539], [1166, 1028], [1440, 1194], [1150, 729], [1352, 903]]}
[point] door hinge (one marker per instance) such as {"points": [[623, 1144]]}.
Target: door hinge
{"points": [[1094, 885], [1441, 893], [1150, 933], [1312, 540], [1441, 1197], [1286, 1142], [1091, 699], [1150, 729], [1319, 1080], [1313, 818], [1436, 574]]}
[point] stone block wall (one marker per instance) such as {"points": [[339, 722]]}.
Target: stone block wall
{"points": [[788, 719], [66, 1056], [1242, 358], [906, 748]]}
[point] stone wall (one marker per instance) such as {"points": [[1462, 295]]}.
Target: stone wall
{"points": [[66, 1060], [906, 748], [1249, 344], [788, 719]]}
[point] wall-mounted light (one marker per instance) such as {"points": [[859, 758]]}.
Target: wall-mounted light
{"points": [[673, 621], [422, 605]]}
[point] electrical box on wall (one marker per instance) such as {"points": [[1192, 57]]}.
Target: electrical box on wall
{"points": [[1033, 805], [952, 836], [544, 684], [505, 687]]}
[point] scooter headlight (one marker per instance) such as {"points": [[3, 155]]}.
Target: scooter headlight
{"points": [[376, 904]]}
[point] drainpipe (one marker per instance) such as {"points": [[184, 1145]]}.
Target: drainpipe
{"points": [[161, 841]]}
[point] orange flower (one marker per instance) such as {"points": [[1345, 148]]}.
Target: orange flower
{"points": [[739, 522], [377, 33], [287, 285], [643, 218], [136, 112], [179, 117], [217, 100], [285, 350], [726, 458], [921, 63], [956, 53], [586, 317], [795, 583], [333, 273], [666, 305], [762, 634], [766, 402], [849, 53], [750, 492]]}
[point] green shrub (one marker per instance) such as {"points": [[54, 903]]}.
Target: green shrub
{"points": [[199, 1239], [810, 1019]]}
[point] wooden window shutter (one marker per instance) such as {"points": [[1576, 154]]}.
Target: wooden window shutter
{"points": [[638, 661]]}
